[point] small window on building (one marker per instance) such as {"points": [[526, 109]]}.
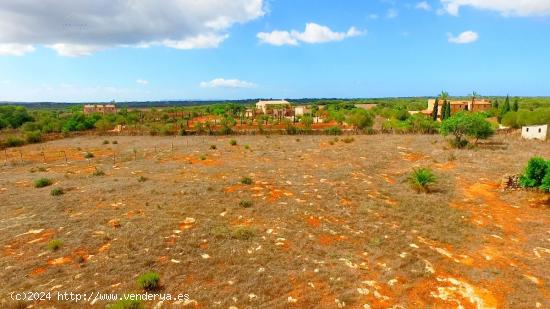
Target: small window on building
{"points": [[540, 130], [527, 129]]}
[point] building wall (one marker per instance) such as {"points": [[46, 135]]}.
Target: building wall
{"points": [[535, 132]]}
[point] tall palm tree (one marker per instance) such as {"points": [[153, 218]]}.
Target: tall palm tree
{"points": [[474, 95]]}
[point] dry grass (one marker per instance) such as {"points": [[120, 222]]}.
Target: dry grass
{"points": [[331, 223]]}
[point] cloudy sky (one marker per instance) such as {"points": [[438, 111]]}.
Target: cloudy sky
{"points": [[80, 50]]}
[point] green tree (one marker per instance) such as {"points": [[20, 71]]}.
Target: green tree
{"points": [[443, 96], [463, 125], [448, 110], [505, 108], [535, 172], [515, 105], [360, 119], [307, 121], [436, 109], [495, 104]]}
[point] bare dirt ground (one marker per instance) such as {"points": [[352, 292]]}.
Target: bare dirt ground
{"points": [[331, 225]]}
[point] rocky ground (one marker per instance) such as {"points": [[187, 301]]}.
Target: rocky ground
{"points": [[331, 224]]}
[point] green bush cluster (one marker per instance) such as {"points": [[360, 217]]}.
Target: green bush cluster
{"points": [[537, 174], [54, 244], [526, 117], [149, 281], [42, 182], [422, 178]]}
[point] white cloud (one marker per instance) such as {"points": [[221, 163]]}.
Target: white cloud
{"points": [[505, 7], [312, 34], [201, 41], [227, 83], [82, 27], [423, 5], [74, 50], [392, 13], [373, 16], [277, 38], [463, 38], [142, 82], [15, 49]]}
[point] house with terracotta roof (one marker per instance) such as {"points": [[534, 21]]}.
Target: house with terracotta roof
{"points": [[478, 105]]}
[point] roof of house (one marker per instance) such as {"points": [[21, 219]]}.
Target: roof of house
{"points": [[272, 102]]}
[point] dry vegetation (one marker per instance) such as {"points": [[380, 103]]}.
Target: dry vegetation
{"points": [[283, 223]]}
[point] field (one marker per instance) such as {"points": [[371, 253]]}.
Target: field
{"points": [[275, 222]]}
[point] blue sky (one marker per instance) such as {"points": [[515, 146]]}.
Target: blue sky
{"points": [[278, 49]]}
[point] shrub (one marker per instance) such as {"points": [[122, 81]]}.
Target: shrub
{"points": [[33, 137], [203, 157], [545, 186], [14, 142], [243, 233], [348, 140], [246, 147], [55, 244], [105, 142], [233, 142], [466, 124], [42, 182], [114, 142], [536, 170], [57, 192], [88, 155], [142, 179], [149, 281], [126, 304], [245, 203], [213, 147], [98, 172], [333, 131], [422, 178], [246, 181]]}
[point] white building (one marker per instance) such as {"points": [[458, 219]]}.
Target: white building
{"points": [[301, 110], [535, 132], [263, 105]]}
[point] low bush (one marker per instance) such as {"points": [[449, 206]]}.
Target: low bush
{"points": [[149, 281], [348, 140], [239, 232], [422, 178], [12, 141], [246, 147], [114, 142], [33, 137], [98, 172], [55, 244], [105, 142], [333, 131], [243, 233], [203, 157], [142, 179], [245, 203], [536, 173], [42, 182], [232, 142], [57, 192], [246, 181], [213, 147], [88, 155], [126, 304]]}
